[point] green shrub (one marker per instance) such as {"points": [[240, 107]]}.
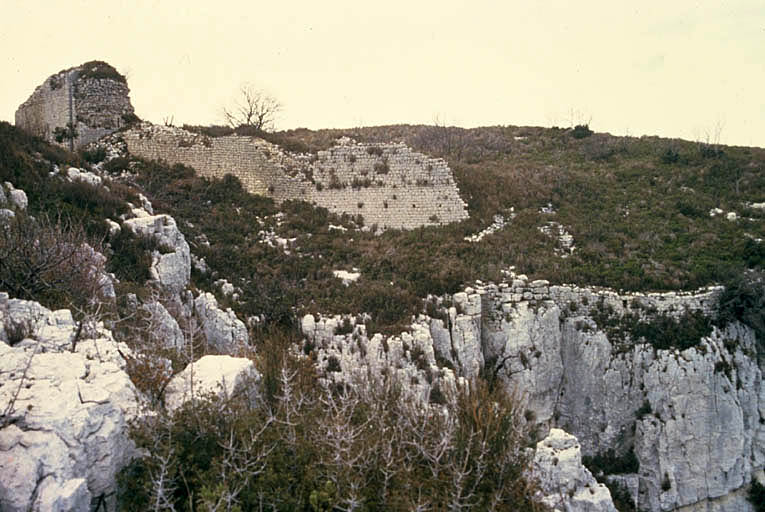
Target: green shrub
{"points": [[98, 70], [608, 463], [94, 156], [744, 300], [757, 495], [581, 131]]}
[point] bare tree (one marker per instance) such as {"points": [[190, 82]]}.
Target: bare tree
{"points": [[253, 108]]}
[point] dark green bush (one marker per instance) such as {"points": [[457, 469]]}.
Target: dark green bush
{"points": [[97, 70], [744, 300], [581, 131], [94, 156], [757, 495], [609, 463], [130, 256]]}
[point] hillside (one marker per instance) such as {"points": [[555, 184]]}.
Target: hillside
{"points": [[465, 342], [640, 212]]}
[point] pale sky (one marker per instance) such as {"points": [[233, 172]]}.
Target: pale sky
{"points": [[674, 68]]}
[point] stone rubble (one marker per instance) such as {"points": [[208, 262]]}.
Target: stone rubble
{"points": [[499, 222], [556, 231], [347, 277]]}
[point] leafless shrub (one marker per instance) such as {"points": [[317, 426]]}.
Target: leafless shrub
{"points": [[52, 262]]}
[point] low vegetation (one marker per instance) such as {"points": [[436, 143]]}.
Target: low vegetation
{"points": [[355, 448]]}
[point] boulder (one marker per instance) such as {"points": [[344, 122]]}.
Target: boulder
{"points": [[64, 430], [16, 197], [222, 329], [164, 328], [171, 265], [221, 376]]}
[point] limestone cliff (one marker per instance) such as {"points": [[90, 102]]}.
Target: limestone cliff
{"points": [[691, 415]]}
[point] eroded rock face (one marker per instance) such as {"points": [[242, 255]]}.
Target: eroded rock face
{"points": [[222, 329], [565, 484], [63, 438], [222, 376], [171, 265], [165, 328], [692, 417]]}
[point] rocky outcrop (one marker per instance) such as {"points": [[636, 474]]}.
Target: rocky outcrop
{"points": [[223, 331], [13, 198], [65, 409], [685, 417], [164, 328], [171, 263], [564, 483], [220, 376]]}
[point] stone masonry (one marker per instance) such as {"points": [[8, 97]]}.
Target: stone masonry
{"points": [[389, 185], [93, 97]]}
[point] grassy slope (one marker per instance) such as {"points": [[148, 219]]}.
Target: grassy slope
{"points": [[638, 210]]}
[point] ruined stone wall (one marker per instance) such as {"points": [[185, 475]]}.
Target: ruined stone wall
{"points": [[47, 107], [96, 106], [388, 184], [100, 107]]}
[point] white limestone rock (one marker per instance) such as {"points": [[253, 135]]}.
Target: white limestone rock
{"points": [[308, 326], [524, 351], [222, 329], [565, 484], [221, 376], [164, 328], [346, 277], [84, 176], [72, 495], [114, 228], [17, 198], [66, 436], [706, 402], [171, 267]]}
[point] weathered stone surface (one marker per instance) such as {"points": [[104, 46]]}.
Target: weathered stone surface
{"points": [[692, 417], [16, 198], [222, 329], [65, 435], [164, 328], [221, 376], [565, 484], [96, 105], [84, 176], [171, 266]]}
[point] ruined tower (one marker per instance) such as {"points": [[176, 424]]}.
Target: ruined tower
{"points": [[78, 105]]}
